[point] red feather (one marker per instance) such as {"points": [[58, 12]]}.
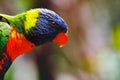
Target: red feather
{"points": [[18, 44]]}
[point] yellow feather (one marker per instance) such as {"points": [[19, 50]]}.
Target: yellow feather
{"points": [[13, 34], [31, 19]]}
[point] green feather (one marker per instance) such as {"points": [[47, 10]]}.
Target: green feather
{"points": [[18, 21], [23, 22], [4, 34]]}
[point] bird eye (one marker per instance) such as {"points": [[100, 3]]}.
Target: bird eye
{"points": [[53, 24]]}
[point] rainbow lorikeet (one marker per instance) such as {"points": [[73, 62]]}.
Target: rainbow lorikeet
{"points": [[21, 33]]}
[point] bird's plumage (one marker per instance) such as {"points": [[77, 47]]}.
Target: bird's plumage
{"points": [[22, 32], [5, 60], [4, 35]]}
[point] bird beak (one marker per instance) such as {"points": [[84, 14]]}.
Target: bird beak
{"points": [[61, 39]]}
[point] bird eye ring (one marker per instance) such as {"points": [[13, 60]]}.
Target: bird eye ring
{"points": [[53, 24]]}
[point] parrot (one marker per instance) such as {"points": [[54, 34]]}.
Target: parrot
{"points": [[22, 32]]}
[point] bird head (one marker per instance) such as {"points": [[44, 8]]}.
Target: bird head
{"points": [[50, 27]]}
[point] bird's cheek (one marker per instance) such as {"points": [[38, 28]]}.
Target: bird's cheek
{"points": [[61, 39]]}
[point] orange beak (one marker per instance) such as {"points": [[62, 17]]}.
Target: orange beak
{"points": [[61, 39]]}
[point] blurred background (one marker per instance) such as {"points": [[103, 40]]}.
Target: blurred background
{"points": [[93, 49]]}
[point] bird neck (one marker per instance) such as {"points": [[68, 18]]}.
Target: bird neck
{"points": [[27, 20], [18, 44], [18, 22]]}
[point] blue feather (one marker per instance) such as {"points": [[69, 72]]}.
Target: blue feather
{"points": [[44, 31]]}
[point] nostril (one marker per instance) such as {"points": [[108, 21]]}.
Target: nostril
{"points": [[64, 30]]}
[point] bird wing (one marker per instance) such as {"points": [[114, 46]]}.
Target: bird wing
{"points": [[4, 35]]}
